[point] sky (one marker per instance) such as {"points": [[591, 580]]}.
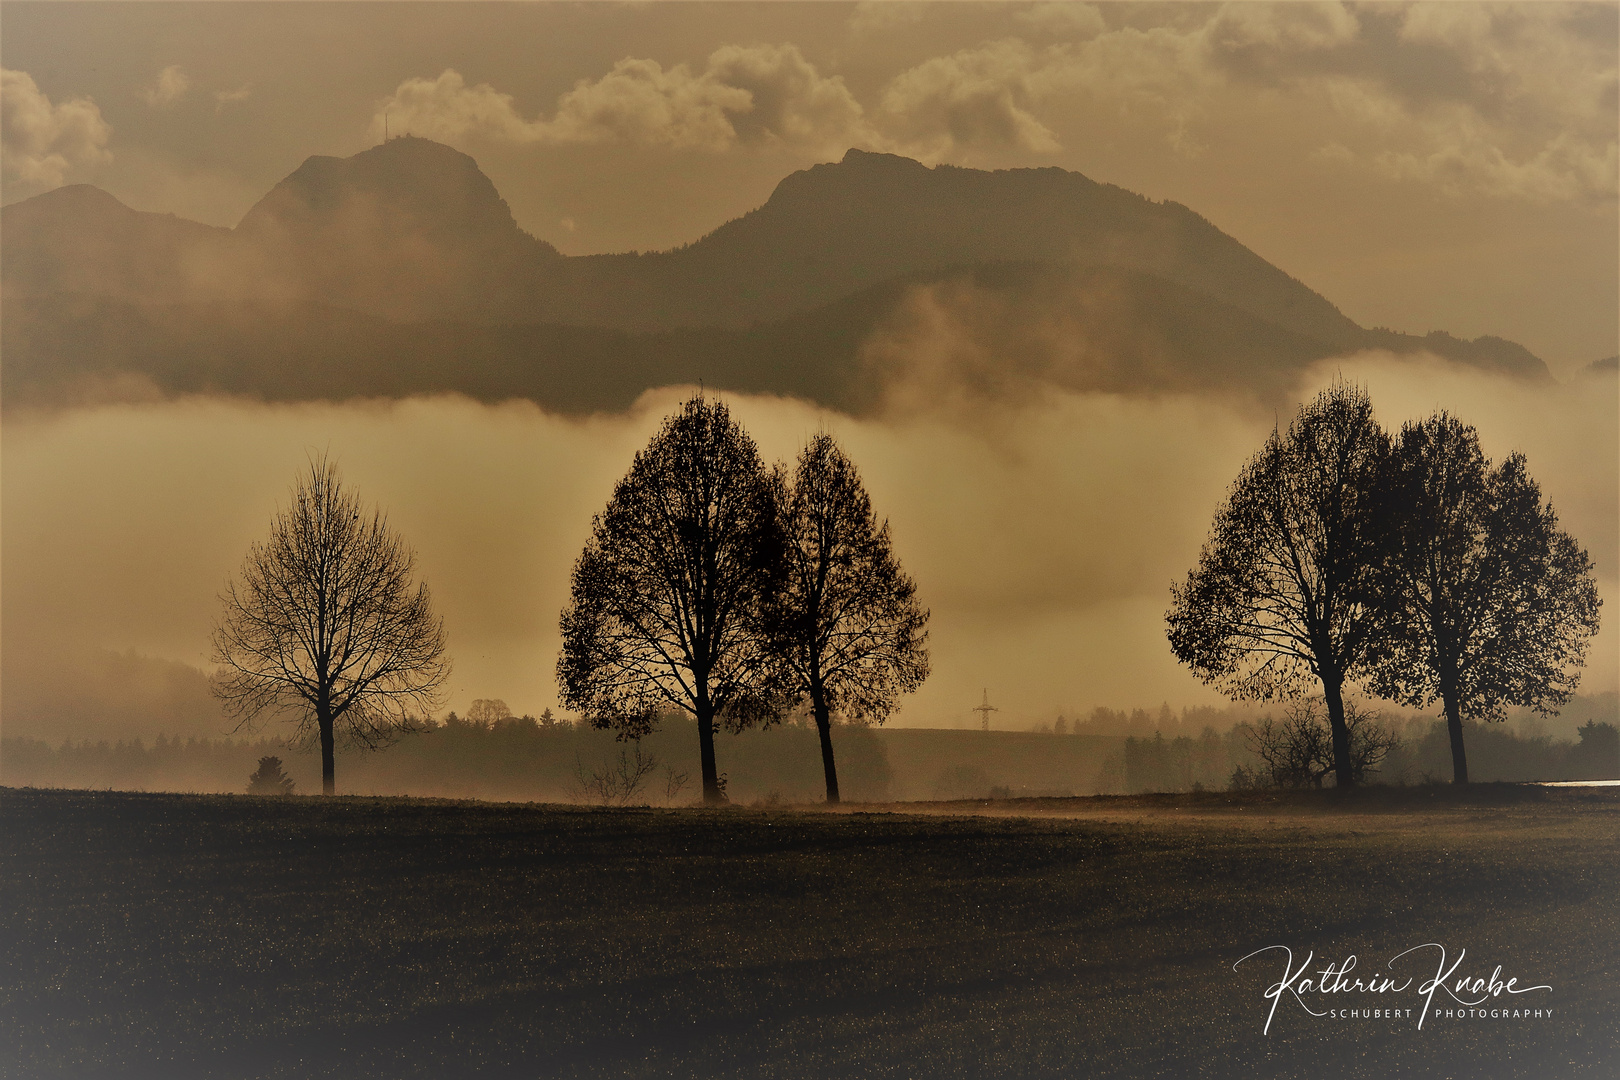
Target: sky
{"points": [[1436, 166], [1448, 165]]}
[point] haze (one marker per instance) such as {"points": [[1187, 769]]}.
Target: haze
{"points": [[1447, 165], [1044, 535], [1047, 466]]}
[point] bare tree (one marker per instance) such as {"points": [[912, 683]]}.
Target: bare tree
{"points": [[324, 621], [846, 624], [617, 782], [1286, 589], [1297, 751], [1494, 604], [665, 598], [487, 712]]}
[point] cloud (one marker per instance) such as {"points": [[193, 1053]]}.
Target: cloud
{"points": [[1514, 101], [1045, 546], [745, 95], [41, 142], [1538, 118], [1510, 101], [448, 109], [1458, 149], [1064, 19], [169, 87], [1292, 26], [223, 98], [998, 94], [982, 97], [880, 16]]}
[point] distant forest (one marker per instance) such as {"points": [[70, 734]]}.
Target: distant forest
{"points": [[1107, 752]]}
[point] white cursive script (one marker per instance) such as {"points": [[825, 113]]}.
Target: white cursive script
{"points": [[1339, 978]]}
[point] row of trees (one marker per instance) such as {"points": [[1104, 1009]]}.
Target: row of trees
{"points": [[710, 585], [1408, 564], [730, 592]]}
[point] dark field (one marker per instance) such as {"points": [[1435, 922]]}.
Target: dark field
{"points": [[181, 936]]}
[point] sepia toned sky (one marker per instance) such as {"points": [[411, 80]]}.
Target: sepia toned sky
{"points": [[1446, 165], [1442, 166], [1043, 534]]}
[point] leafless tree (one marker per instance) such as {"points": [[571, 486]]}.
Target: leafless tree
{"points": [[487, 712], [846, 623], [673, 783], [1297, 751], [617, 782], [324, 621], [665, 599], [1494, 604], [1286, 589]]}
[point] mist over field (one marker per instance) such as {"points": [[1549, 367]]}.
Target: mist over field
{"points": [[1050, 274], [1043, 527]]}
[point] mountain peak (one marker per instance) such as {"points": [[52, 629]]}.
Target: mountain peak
{"points": [[406, 228], [411, 182]]}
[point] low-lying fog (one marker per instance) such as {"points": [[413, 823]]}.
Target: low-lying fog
{"points": [[1044, 533]]}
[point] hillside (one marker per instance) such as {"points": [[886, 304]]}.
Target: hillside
{"points": [[400, 270]]}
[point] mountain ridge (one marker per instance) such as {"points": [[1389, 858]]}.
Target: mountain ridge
{"points": [[412, 233]]}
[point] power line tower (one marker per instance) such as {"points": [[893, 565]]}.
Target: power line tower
{"points": [[984, 710]]}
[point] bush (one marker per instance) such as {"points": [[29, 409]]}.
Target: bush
{"points": [[270, 780]]}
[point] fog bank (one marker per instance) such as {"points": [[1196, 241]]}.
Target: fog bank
{"points": [[1043, 534]]}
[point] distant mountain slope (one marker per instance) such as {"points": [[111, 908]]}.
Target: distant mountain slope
{"points": [[408, 230], [79, 239], [1011, 327], [834, 229], [400, 270]]}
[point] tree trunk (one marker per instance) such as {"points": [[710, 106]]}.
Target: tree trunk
{"points": [[1459, 759], [323, 716], [818, 702], [711, 776], [1332, 690]]}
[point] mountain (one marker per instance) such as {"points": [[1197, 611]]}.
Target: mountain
{"points": [[401, 270], [408, 230], [79, 239], [831, 230]]}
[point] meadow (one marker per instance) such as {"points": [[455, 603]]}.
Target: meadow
{"points": [[149, 935]]}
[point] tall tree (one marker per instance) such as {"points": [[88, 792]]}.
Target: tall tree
{"points": [[846, 624], [1494, 604], [666, 597], [324, 621], [1285, 591]]}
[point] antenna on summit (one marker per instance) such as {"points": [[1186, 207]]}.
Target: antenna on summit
{"points": [[385, 125]]}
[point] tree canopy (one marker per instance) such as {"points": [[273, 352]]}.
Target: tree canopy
{"points": [[665, 604], [1491, 603], [323, 621], [1285, 592], [845, 623]]}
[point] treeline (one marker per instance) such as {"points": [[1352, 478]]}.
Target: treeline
{"points": [[1215, 760], [1143, 723], [515, 758]]}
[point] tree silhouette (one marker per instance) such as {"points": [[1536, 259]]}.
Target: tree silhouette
{"points": [[1286, 588], [1494, 605], [269, 779], [846, 624], [487, 712], [665, 602], [1297, 751], [324, 621]]}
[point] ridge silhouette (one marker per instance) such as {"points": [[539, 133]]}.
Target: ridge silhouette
{"points": [[401, 270]]}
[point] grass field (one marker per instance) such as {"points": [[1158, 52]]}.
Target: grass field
{"points": [[188, 936]]}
